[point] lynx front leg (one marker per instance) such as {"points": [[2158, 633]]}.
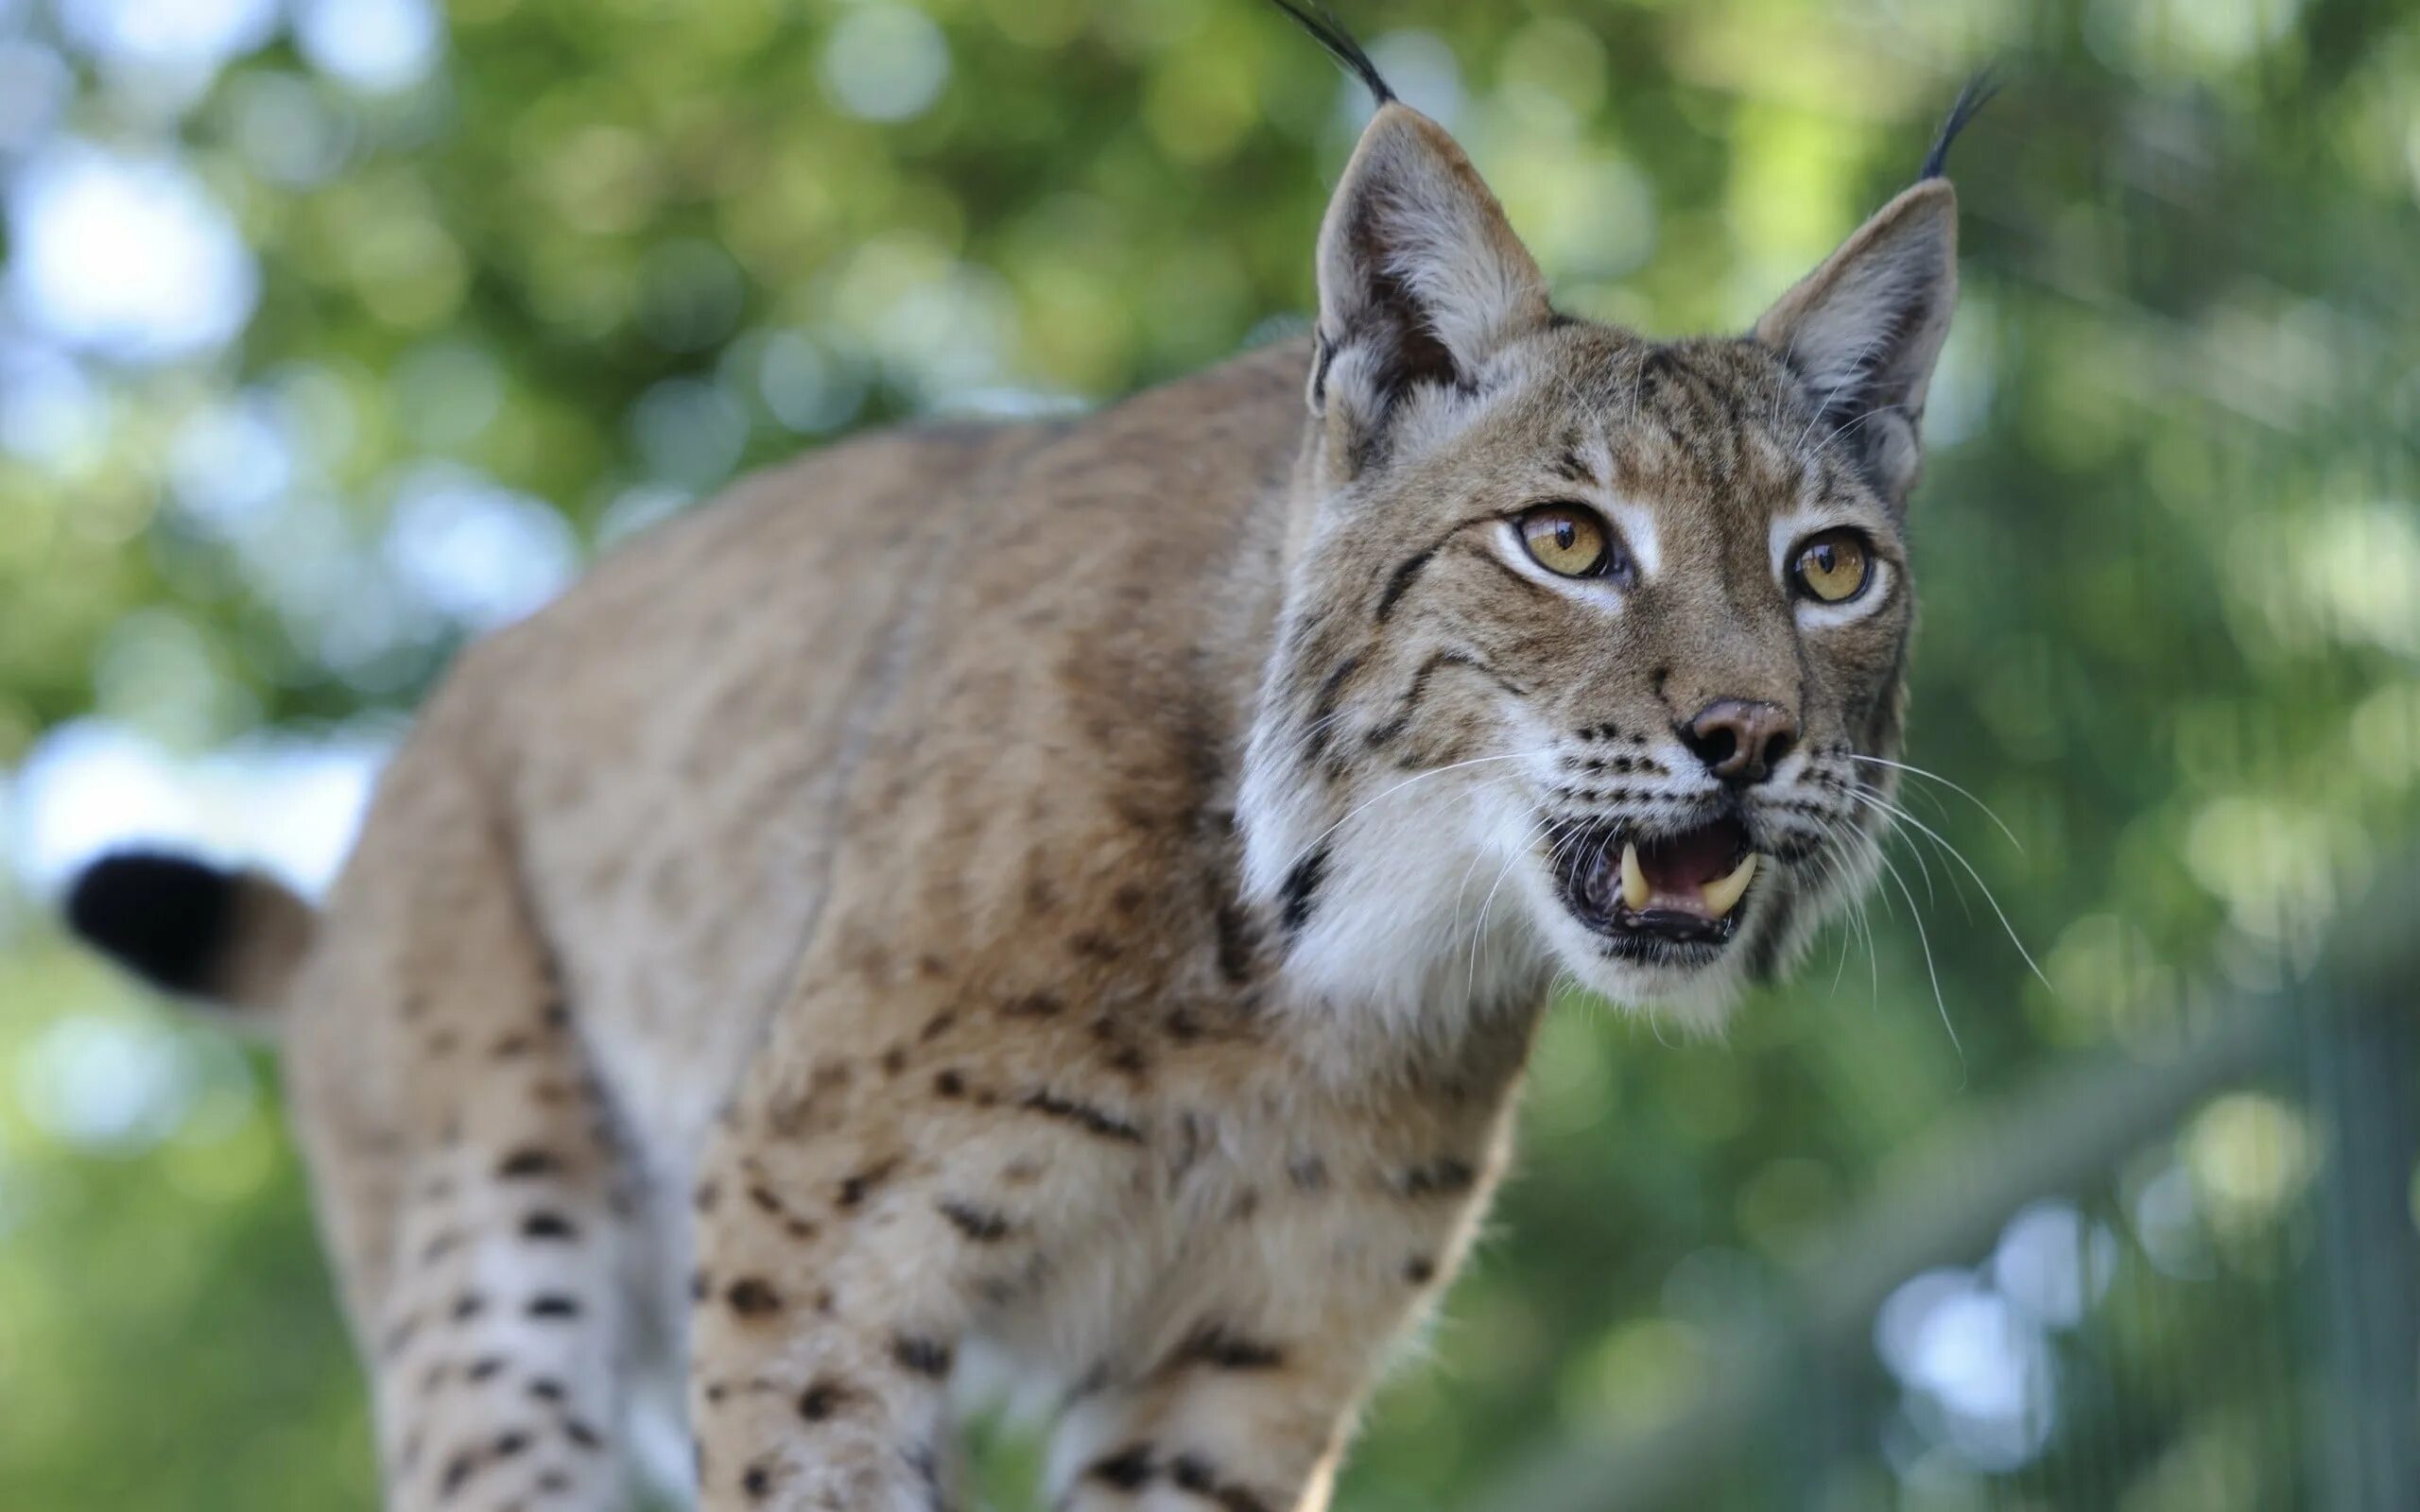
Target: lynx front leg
{"points": [[1284, 1312], [857, 1218], [1252, 1440]]}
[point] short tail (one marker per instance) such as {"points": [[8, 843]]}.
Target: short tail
{"points": [[193, 929]]}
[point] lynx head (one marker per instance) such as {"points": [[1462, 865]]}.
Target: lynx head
{"points": [[1593, 646]]}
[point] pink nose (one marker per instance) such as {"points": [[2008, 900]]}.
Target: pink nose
{"points": [[1739, 741]]}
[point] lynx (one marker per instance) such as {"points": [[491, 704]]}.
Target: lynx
{"points": [[1082, 894]]}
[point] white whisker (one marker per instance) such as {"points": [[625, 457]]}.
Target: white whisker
{"points": [[1936, 777], [1422, 775], [1923, 942], [1953, 853]]}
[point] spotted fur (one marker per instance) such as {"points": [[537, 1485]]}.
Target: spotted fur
{"points": [[1074, 894]]}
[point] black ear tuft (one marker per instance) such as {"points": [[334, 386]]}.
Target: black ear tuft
{"points": [[166, 918], [1330, 34], [1976, 93]]}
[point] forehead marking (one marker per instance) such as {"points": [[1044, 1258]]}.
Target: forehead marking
{"points": [[1637, 524]]}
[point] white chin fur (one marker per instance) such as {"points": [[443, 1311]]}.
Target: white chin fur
{"points": [[1437, 907], [1697, 1000], [1420, 920]]}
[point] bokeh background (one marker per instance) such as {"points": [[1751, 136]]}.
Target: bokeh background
{"points": [[334, 331]]}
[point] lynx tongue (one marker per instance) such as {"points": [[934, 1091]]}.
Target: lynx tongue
{"points": [[1703, 872]]}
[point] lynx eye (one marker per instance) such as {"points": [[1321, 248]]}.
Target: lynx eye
{"points": [[1570, 539], [1833, 566]]}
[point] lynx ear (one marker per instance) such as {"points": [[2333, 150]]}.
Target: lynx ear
{"points": [[1421, 278], [1863, 330]]}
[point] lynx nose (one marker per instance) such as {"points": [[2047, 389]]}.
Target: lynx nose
{"points": [[1741, 742]]}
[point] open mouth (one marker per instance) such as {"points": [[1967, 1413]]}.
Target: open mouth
{"points": [[1649, 893]]}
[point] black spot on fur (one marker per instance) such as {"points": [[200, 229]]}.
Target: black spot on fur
{"points": [[920, 1356], [1198, 1477], [821, 1400], [165, 917], [1129, 1469], [468, 1306], [523, 1164], [757, 1482], [545, 1388], [547, 1225], [1216, 1348], [856, 1189], [553, 1305], [484, 1366], [1300, 894], [981, 1224], [1445, 1176], [1420, 1270], [1094, 945], [752, 1297], [949, 1084], [511, 1442]]}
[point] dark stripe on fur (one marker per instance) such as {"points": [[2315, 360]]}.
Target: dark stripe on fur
{"points": [[1084, 1116], [1301, 893], [1214, 1347], [1396, 584], [1323, 708], [1409, 704]]}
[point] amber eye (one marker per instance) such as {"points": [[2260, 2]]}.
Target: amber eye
{"points": [[1570, 539], [1833, 567]]}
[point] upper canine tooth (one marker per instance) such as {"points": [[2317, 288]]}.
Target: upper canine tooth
{"points": [[1634, 889], [1724, 893]]}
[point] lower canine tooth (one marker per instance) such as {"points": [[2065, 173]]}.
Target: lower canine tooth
{"points": [[1634, 889], [1724, 894]]}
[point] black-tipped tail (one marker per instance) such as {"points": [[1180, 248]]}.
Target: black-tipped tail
{"points": [[164, 918], [191, 928], [1976, 93]]}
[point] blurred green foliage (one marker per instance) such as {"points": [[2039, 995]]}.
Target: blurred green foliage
{"points": [[606, 253]]}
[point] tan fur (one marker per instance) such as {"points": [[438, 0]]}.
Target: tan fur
{"points": [[1014, 889]]}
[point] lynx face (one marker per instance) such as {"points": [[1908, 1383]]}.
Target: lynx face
{"points": [[1594, 646]]}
